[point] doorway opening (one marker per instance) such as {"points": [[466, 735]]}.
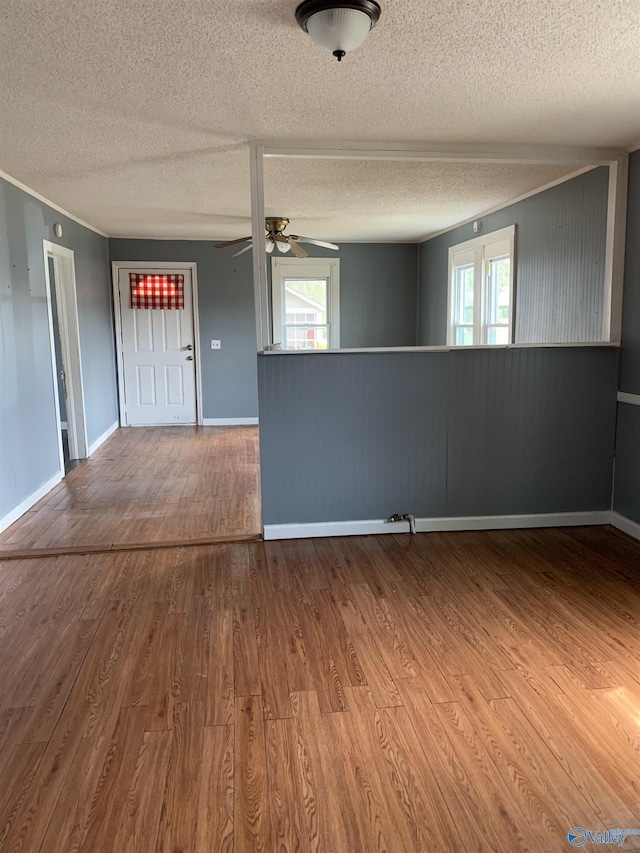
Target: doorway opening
{"points": [[65, 354], [61, 374]]}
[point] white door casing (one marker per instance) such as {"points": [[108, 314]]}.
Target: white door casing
{"points": [[157, 353], [64, 284]]}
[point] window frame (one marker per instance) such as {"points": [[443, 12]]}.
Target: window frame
{"points": [[305, 268], [479, 251]]}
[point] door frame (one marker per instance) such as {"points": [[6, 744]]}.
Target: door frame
{"points": [[69, 328], [189, 266]]}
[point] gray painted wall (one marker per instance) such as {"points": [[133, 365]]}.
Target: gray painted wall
{"points": [[28, 430], [378, 293], [359, 436], [560, 249], [378, 285], [226, 309], [626, 499], [630, 360]]}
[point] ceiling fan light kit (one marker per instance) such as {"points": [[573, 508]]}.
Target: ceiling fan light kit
{"points": [[274, 226], [338, 27]]}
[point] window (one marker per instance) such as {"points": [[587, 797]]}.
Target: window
{"points": [[151, 290], [481, 290], [306, 303]]}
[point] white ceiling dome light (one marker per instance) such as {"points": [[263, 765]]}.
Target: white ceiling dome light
{"points": [[338, 27]]}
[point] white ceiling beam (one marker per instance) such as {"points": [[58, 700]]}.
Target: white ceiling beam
{"points": [[615, 250], [259, 254], [461, 152]]}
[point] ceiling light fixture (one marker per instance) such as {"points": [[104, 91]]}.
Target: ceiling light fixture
{"points": [[338, 27], [275, 238]]}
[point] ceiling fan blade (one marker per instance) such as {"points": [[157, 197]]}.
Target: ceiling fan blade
{"points": [[298, 251], [315, 242], [242, 251], [231, 242], [280, 238]]}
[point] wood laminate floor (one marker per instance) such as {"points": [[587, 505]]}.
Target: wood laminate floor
{"points": [[445, 692], [150, 485]]}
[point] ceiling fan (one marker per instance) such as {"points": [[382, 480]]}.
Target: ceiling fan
{"points": [[274, 227]]}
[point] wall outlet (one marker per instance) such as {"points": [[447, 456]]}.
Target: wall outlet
{"points": [[215, 344]]}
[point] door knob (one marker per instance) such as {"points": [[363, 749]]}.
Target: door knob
{"points": [[189, 346], [189, 358]]}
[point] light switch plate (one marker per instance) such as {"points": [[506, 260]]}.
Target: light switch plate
{"points": [[215, 344]]}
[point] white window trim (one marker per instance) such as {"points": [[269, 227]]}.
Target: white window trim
{"points": [[306, 268], [475, 247]]}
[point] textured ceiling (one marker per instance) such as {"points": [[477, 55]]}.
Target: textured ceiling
{"points": [[132, 115], [382, 200]]}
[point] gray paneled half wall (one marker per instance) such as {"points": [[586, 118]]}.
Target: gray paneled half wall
{"points": [[355, 436]]}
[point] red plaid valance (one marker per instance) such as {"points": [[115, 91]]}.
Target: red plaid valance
{"points": [[156, 291]]}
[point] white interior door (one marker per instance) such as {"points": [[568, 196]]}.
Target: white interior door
{"points": [[158, 356]]}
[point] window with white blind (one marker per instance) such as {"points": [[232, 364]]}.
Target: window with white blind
{"points": [[481, 290], [306, 303]]}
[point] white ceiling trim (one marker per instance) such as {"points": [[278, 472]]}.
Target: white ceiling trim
{"points": [[11, 180], [167, 239], [452, 152], [519, 198]]}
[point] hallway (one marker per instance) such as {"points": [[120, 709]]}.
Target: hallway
{"points": [[149, 486]]}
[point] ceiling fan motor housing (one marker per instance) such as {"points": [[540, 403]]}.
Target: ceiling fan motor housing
{"points": [[275, 237], [276, 224]]}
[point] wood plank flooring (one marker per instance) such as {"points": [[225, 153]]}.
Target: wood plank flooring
{"points": [[150, 486], [444, 692]]}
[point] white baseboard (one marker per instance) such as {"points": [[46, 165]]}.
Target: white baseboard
{"points": [[27, 503], [513, 522], [632, 399], [331, 528], [102, 438], [430, 525], [229, 421], [626, 525]]}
